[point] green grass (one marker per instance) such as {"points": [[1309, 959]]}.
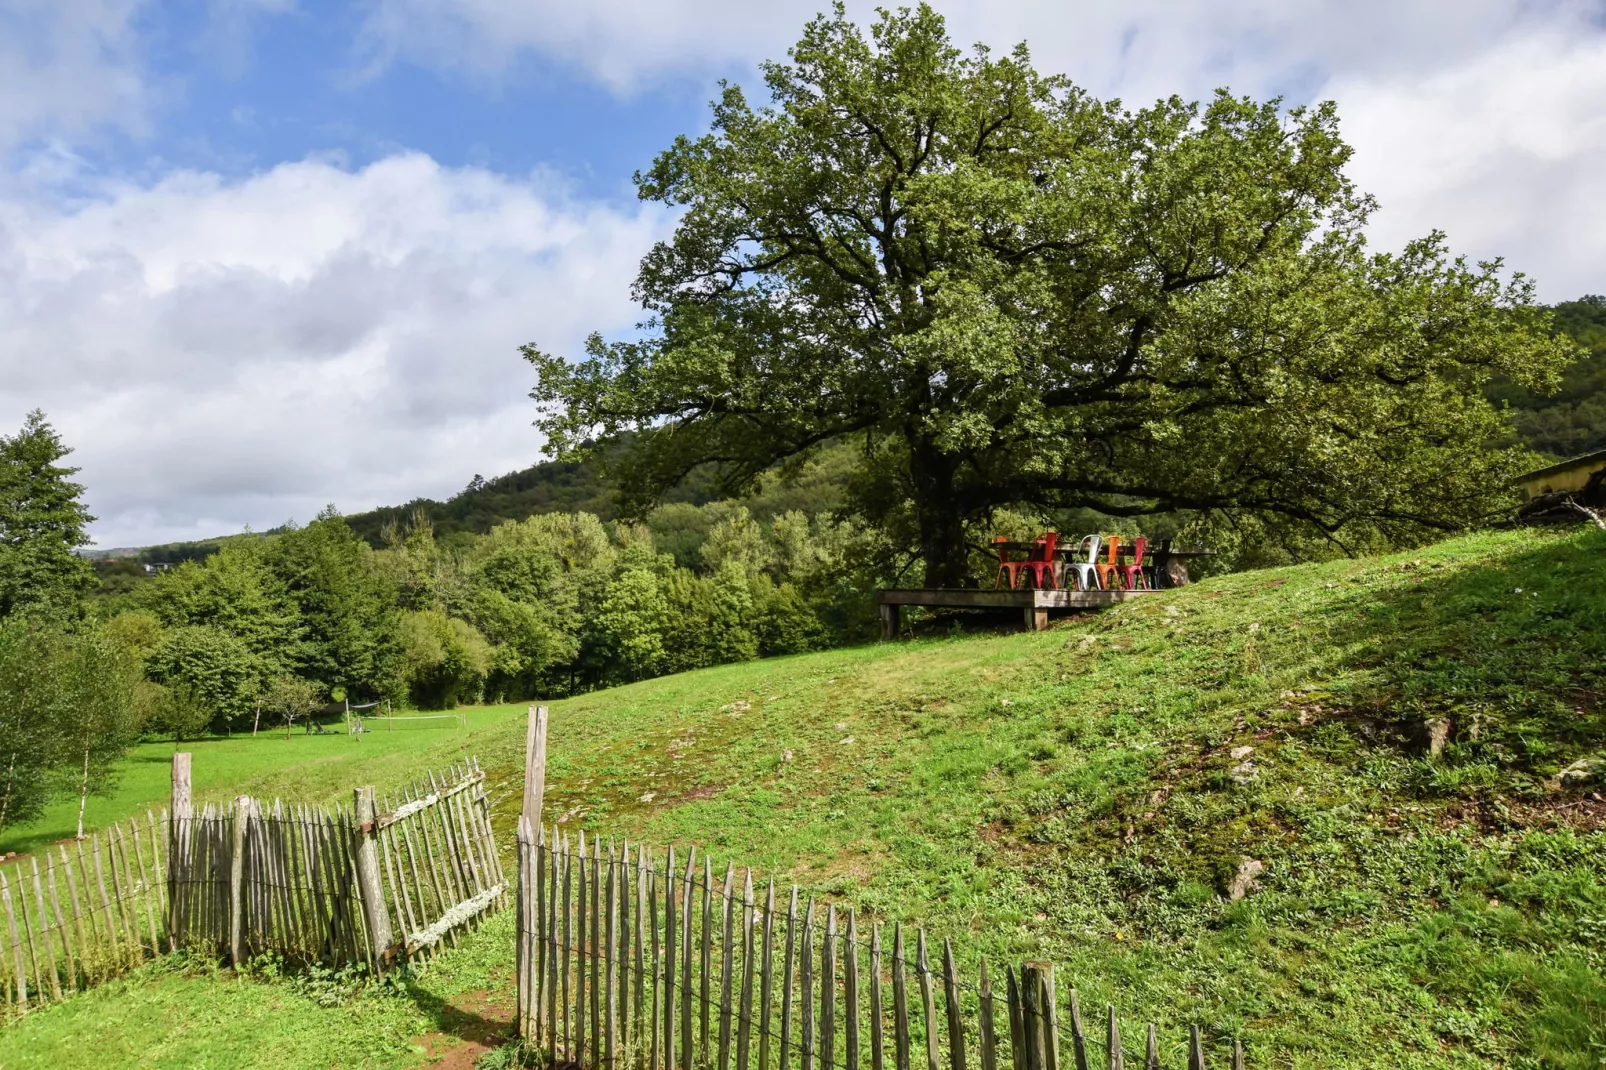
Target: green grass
{"points": [[305, 767], [1083, 794], [180, 1013]]}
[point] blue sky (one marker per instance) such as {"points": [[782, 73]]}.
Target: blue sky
{"points": [[260, 255], [235, 89]]}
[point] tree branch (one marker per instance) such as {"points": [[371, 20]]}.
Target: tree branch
{"points": [[1580, 507]]}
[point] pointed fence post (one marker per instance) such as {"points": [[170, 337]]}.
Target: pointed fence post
{"points": [[535, 765], [370, 884], [180, 813], [242, 814], [531, 898]]}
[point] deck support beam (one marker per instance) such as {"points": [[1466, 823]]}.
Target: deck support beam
{"points": [[1033, 605]]}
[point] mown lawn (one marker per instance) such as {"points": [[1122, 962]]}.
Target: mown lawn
{"points": [[182, 1013], [304, 767], [1086, 794]]}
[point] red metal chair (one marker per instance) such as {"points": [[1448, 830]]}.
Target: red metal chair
{"points": [[1012, 569], [1041, 563], [1132, 574], [1109, 577]]}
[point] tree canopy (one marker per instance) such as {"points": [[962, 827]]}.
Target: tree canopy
{"points": [[42, 524], [1013, 293]]}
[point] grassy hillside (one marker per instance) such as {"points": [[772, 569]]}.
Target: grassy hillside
{"points": [[1089, 793]]}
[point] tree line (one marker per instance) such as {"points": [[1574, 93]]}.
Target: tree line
{"points": [[547, 606]]}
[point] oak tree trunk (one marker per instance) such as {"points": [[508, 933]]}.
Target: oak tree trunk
{"points": [[942, 522]]}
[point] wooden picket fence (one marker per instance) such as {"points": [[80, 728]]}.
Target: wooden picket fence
{"points": [[440, 871], [621, 963], [384, 880], [80, 914]]}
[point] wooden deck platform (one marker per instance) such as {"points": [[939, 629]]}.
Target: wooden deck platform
{"points": [[1032, 604]]}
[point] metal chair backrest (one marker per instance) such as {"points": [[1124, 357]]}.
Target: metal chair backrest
{"points": [[1114, 543], [1090, 543], [1137, 549]]}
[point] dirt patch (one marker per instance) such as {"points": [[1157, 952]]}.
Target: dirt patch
{"points": [[855, 867], [1584, 699], [1580, 813], [471, 1025]]}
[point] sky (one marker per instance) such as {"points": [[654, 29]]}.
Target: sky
{"points": [[261, 256]]}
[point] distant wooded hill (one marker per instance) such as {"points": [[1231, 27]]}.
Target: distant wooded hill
{"points": [[582, 487], [547, 487], [1572, 420]]}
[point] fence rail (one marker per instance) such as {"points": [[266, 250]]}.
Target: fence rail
{"points": [[441, 869], [380, 881], [623, 963]]}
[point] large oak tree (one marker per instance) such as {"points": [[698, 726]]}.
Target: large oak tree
{"points": [[1010, 292]]}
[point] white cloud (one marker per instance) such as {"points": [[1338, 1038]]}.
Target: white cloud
{"points": [[222, 351], [1506, 153], [68, 66], [1483, 118], [1142, 49]]}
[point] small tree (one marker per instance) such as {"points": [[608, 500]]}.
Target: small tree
{"points": [[444, 660], [179, 709], [291, 698], [629, 624], [29, 739], [730, 617], [97, 715], [206, 670], [68, 712]]}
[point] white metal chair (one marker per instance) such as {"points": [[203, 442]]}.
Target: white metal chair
{"points": [[1086, 569]]}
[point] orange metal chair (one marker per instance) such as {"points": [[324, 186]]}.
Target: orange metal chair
{"points": [[1006, 567], [1132, 575], [1109, 574]]}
